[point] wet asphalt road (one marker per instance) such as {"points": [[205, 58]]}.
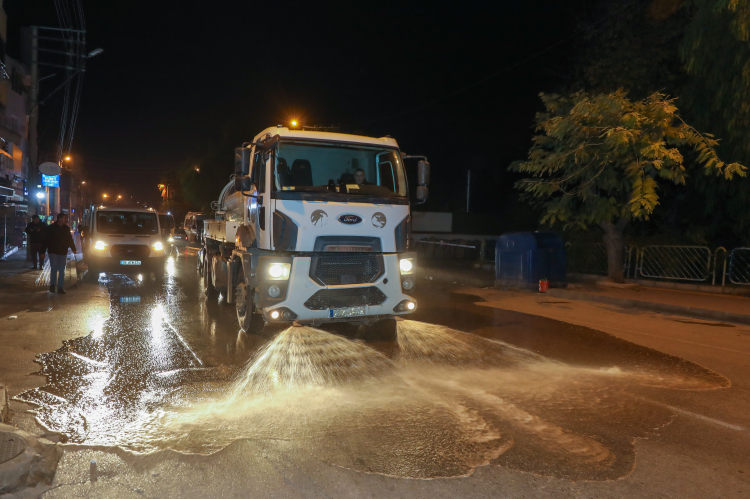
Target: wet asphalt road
{"points": [[455, 387]]}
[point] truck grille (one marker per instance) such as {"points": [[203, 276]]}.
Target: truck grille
{"points": [[335, 269], [130, 251], [350, 297]]}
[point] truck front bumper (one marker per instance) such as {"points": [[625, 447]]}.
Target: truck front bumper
{"points": [[306, 301]]}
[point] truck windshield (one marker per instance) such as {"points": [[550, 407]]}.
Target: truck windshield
{"points": [[126, 222], [322, 166]]}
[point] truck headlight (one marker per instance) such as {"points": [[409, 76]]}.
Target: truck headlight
{"points": [[279, 271], [158, 246], [406, 265], [100, 245]]}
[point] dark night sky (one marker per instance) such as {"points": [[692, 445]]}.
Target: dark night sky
{"points": [[176, 74]]}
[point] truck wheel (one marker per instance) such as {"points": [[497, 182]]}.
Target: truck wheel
{"points": [[207, 282], [244, 304]]}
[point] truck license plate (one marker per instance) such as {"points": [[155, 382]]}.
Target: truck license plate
{"points": [[130, 262], [347, 312]]}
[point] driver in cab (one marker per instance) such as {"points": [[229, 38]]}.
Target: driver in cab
{"points": [[359, 177]]}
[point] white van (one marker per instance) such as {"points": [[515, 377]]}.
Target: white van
{"points": [[167, 226], [124, 240]]}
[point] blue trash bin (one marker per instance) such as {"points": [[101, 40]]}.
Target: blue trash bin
{"points": [[522, 259]]}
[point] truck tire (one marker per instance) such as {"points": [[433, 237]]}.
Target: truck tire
{"points": [[207, 280], [243, 302]]}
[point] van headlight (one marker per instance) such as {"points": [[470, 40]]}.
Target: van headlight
{"points": [[406, 265], [279, 271], [158, 246], [100, 245]]}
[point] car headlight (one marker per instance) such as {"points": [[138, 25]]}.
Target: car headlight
{"points": [[171, 239], [279, 271], [100, 245], [406, 265], [158, 246]]}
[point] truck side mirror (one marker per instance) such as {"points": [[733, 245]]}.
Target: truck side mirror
{"points": [[242, 161], [244, 183], [423, 173], [422, 193]]}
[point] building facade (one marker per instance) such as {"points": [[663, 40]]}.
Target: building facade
{"points": [[15, 82]]}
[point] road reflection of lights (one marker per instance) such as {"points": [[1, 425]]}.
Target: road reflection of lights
{"points": [[98, 331], [170, 266], [140, 277], [158, 316]]}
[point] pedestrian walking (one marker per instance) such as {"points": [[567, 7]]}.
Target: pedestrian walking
{"points": [[37, 237], [58, 241]]}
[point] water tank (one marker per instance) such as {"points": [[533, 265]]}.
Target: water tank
{"points": [[232, 203]]}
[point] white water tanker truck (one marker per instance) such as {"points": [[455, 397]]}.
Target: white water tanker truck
{"points": [[314, 227]]}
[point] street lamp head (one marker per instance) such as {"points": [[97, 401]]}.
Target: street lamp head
{"points": [[104, 195], [94, 53], [83, 182], [119, 197], [67, 158], [40, 195]]}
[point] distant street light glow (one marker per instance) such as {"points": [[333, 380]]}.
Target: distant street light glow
{"points": [[40, 195], [67, 158], [294, 122]]}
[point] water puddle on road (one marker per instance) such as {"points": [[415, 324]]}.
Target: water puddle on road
{"points": [[443, 404]]}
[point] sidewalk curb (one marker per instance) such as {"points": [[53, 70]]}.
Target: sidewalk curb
{"points": [[4, 408], [664, 308]]}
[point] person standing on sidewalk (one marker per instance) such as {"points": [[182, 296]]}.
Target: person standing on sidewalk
{"points": [[58, 241], [37, 234]]}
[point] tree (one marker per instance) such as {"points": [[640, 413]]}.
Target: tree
{"points": [[597, 160], [716, 54], [631, 45]]}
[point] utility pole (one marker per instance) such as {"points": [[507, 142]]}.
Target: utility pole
{"points": [[34, 115], [468, 189]]}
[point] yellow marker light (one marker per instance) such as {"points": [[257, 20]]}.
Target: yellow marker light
{"points": [[158, 246], [406, 266], [100, 245], [410, 305], [275, 314]]}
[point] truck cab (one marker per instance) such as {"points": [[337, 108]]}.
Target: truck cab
{"points": [[124, 240], [314, 228], [193, 226]]}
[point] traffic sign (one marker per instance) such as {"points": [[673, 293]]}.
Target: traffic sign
{"points": [[49, 168], [51, 180]]}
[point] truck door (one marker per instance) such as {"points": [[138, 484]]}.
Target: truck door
{"points": [[259, 211]]}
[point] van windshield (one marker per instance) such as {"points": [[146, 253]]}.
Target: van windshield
{"points": [[324, 166], [126, 222]]}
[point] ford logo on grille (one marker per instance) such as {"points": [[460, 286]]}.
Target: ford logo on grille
{"points": [[350, 219]]}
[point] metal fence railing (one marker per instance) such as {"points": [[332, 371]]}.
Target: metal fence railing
{"points": [[587, 258], [682, 263], [739, 266]]}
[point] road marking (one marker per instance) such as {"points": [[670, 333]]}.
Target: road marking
{"points": [[692, 414], [179, 337]]}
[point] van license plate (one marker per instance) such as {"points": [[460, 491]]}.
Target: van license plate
{"points": [[347, 312], [130, 262]]}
